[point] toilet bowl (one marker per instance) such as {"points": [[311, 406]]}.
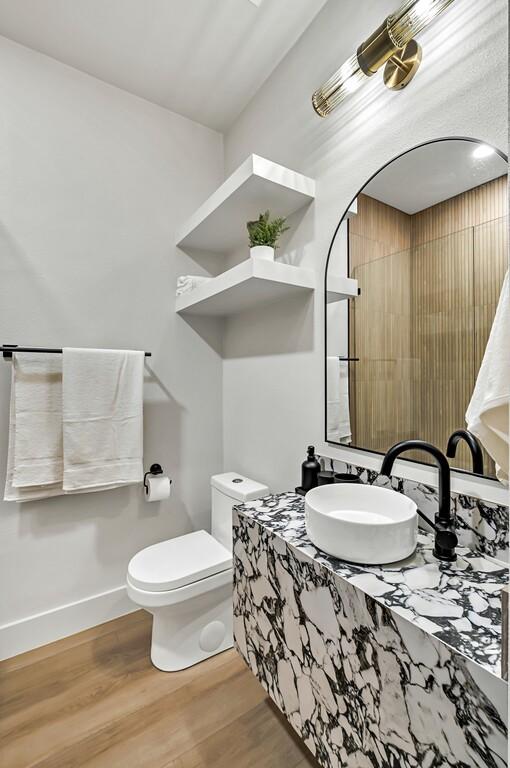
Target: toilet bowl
{"points": [[186, 582]]}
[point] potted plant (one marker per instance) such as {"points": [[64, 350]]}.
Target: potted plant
{"points": [[264, 235]]}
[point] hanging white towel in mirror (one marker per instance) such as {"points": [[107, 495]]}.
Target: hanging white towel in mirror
{"points": [[338, 418], [488, 413]]}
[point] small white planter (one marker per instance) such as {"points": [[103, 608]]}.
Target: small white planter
{"points": [[262, 252]]}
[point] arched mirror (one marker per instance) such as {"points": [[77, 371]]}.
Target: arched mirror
{"points": [[426, 239]]}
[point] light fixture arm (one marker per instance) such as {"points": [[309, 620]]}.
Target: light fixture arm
{"points": [[376, 50]]}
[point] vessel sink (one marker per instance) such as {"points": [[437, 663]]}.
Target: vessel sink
{"points": [[361, 523]]}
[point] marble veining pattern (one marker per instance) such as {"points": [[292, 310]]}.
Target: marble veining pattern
{"points": [[364, 685], [458, 602], [481, 525]]}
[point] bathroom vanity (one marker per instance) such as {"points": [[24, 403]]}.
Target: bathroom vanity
{"points": [[395, 666]]}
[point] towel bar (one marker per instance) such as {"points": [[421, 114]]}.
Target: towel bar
{"points": [[8, 349]]}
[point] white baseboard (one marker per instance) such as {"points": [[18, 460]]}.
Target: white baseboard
{"points": [[42, 628]]}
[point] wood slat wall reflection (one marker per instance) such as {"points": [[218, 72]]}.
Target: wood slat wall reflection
{"points": [[430, 285], [379, 324], [386, 227], [443, 338], [470, 209]]}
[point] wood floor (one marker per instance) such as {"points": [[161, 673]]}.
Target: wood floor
{"points": [[95, 701]]}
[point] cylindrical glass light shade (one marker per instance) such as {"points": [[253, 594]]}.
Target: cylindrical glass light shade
{"points": [[345, 81], [395, 32], [412, 17]]}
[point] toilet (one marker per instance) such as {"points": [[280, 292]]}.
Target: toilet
{"points": [[186, 582]]}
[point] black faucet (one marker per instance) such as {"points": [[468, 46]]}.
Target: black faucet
{"points": [[474, 447], [446, 539]]}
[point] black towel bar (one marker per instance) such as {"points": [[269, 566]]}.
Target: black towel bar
{"points": [[8, 349]]}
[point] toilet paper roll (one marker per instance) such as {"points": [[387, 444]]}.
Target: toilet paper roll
{"points": [[158, 488]]}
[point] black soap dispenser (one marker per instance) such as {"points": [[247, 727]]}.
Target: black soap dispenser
{"points": [[310, 469]]}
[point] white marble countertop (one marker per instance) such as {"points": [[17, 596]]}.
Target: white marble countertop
{"points": [[459, 603]]}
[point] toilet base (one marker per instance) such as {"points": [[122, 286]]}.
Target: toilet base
{"points": [[191, 631]]}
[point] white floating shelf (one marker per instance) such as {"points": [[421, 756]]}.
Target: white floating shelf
{"points": [[340, 288], [249, 284], [219, 225]]}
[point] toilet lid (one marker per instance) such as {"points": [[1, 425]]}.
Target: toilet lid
{"points": [[177, 562]]}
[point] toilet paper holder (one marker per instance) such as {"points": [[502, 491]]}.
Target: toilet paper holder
{"points": [[154, 469]]}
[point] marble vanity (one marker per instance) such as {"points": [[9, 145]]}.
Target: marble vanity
{"points": [[394, 666]]}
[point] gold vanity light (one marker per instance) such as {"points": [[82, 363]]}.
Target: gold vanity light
{"points": [[392, 45]]}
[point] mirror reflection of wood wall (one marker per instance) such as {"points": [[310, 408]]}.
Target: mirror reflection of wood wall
{"points": [[430, 285]]}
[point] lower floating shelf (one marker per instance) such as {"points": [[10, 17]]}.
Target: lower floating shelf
{"points": [[249, 284], [340, 288]]}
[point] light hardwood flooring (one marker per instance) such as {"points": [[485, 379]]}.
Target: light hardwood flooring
{"points": [[95, 701]]}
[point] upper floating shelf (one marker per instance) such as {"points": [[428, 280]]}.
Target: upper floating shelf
{"points": [[219, 225]]}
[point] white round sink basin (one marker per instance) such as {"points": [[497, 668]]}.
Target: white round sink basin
{"points": [[361, 523]]}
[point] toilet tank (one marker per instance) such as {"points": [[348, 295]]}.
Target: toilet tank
{"points": [[227, 490]]}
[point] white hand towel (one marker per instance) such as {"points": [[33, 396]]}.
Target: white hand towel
{"points": [[338, 418], [191, 279], [488, 413], [186, 283], [102, 418], [34, 458]]}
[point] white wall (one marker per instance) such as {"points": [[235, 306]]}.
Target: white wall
{"points": [[273, 373], [93, 184]]}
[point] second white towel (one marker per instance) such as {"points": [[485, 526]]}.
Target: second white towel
{"points": [[102, 416]]}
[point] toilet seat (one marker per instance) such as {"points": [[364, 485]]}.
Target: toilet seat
{"points": [[150, 600], [177, 563]]}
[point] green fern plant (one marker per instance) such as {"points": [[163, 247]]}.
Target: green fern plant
{"points": [[266, 231]]}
